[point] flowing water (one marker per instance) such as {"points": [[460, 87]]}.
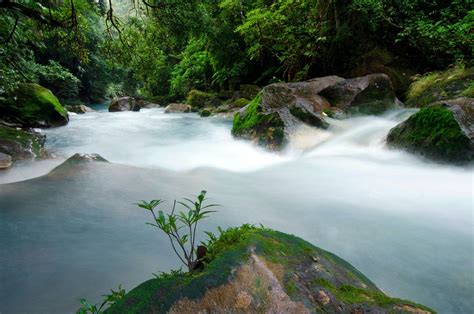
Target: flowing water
{"points": [[404, 222]]}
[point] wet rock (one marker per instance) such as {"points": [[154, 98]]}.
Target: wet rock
{"points": [[32, 105], [442, 131], [21, 144], [5, 161], [177, 108], [79, 109], [124, 104], [255, 270]]}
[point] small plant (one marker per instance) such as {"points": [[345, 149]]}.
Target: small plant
{"points": [[89, 308], [181, 227]]}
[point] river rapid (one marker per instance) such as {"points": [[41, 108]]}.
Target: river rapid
{"points": [[404, 222]]}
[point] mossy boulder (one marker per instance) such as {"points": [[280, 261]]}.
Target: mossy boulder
{"points": [[443, 131], [281, 107], [206, 112], [198, 99], [248, 91], [21, 144], [443, 85], [257, 270], [32, 105], [255, 123]]}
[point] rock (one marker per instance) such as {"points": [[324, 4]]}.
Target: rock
{"points": [[177, 107], [248, 91], [74, 163], [5, 161], [256, 270], [148, 104], [436, 86], [442, 131], [279, 108], [370, 94], [124, 104], [228, 94], [21, 144], [206, 112], [79, 109], [198, 99], [32, 105]]}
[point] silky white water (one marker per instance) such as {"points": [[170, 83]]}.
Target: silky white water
{"points": [[404, 222]]}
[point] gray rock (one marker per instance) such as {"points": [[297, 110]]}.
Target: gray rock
{"points": [[5, 161], [79, 109], [124, 104], [177, 107]]}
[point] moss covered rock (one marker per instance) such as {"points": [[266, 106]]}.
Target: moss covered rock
{"points": [[198, 99], [21, 144], [32, 105], [436, 86], [256, 270], [263, 127], [177, 108], [443, 131]]}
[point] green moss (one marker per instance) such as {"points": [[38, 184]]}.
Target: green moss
{"points": [[205, 112], [434, 133], [432, 87], [27, 141], [232, 248], [34, 105], [199, 99], [241, 102]]}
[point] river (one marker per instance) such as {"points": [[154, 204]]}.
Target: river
{"points": [[404, 222]]}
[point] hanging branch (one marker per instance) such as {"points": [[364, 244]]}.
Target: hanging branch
{"points": [[12, 31]]}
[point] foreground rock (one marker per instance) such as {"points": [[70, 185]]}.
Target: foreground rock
{"points": [[21, 144], [177, 107], [269, 117], [443, 131], [74, 163], [32, 105], [253, 270], [79, 109], [124, 104], [5, 161]]}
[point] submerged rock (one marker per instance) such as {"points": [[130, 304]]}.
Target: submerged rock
{"points": [[73, 163], [177, 107], [442, 131], [79, 109], [5, 161], [21, 144], [255, 270], [32, 105], [269, 117], [124, 104]]}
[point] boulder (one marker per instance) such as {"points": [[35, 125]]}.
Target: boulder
{"points": [[198, 99], [177, 107], [148, 104], [370, 94], [442, 131], [124, 104], [206, 112], [75, 163], [5, 161], [443, 85], [280, 107], [79, 109], [257, 270], [21, 144], [32, 105]]}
